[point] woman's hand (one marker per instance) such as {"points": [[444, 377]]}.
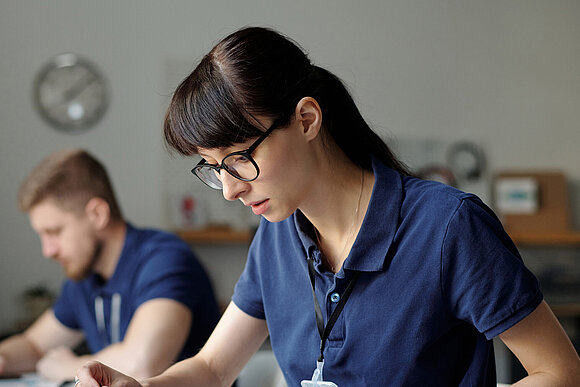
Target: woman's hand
{"points": [[95, 374]]}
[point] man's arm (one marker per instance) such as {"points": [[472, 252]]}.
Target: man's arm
{"points": [[20, 353], [544, 349], [235, 339], [154, 339], [17, 355]]}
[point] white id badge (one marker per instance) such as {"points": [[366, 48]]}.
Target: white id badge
{"points": [[317, 380]]}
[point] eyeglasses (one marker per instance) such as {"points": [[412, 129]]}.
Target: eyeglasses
{"points": [[239, 164]]}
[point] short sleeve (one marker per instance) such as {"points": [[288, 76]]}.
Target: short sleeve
{"points": [[169, 272], [484, 279], [248, 291]]}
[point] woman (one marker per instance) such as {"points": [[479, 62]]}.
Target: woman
{"points": [[360, 273]]}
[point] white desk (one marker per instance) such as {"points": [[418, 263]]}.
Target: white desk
{"points": [[31, 380]]}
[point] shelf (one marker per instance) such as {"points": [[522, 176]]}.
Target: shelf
{"points": [[215, 235], [565, 310], [558, 238], [225, 235]]}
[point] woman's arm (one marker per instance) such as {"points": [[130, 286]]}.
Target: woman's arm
{"points": [[235, 339], [153, 340], [544, 349]]}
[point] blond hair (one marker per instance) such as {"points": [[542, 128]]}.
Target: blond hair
{"points": [[70, 178]]}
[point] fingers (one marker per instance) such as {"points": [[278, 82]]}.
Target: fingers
{"points": [[95, 374]]}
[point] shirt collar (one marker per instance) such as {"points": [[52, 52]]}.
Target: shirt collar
{"points": [[369, 252], [117, 281]]}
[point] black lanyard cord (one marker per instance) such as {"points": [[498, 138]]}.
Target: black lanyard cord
{"points": [[324, 331]]}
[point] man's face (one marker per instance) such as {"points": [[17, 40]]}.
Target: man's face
{"points": [[67, 237]]}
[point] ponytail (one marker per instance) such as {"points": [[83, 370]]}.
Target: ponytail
{"points": [[347, 127], [259, 72]]}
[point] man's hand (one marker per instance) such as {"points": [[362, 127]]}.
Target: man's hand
{"points": [[2, 364], [58, 364]]}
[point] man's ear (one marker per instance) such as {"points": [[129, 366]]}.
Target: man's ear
{"points": [[309, 115], [98, 212]]}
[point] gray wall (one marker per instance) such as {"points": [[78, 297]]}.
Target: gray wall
{"points": [[505, 74]]}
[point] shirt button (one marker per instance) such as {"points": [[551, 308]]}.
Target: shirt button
{"points": [[335, 297]]}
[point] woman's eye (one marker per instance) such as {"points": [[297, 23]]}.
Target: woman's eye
{"points": [[210, 162], [236, 159]]}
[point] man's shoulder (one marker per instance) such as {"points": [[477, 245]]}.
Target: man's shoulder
{"points": [[153, 250]]}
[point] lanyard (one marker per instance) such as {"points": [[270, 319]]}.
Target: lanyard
{"points": [[115, 319], [324, 331]]}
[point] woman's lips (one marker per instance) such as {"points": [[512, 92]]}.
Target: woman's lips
{"points": [[260, 208]]}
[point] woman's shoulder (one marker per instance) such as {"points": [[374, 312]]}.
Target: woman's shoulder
{"points": [[412, 191], [432, 199], [434, 192]]}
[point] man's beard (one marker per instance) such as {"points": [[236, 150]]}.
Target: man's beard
{"points": [[80, 273]]}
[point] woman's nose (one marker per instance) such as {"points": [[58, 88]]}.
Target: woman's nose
{"points": [[232, 187]]}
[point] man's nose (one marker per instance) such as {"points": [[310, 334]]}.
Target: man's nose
{"points": [[232, 187], [49, 247]]}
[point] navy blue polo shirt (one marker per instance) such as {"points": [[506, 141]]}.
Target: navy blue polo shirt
{"points": [[439, 278], [153, 264]]}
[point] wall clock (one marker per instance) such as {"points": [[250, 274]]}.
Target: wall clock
{"points": [[438, 173], [466, 160], [70, 93]]}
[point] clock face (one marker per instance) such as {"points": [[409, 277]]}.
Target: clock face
{"points": [[70, 93], [466, 159]]}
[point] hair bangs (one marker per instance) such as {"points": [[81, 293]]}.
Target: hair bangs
{"points": [[204, 113]]}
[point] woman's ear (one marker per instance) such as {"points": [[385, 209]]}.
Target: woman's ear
{"points": [[98, 212], [309, 115]]}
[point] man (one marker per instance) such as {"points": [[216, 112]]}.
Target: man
{"points": [[138, 297]]}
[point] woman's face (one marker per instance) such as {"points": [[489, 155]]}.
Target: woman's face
{"points": [[286, 173]]}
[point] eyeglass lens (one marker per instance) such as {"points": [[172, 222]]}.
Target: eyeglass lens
{"points": [[238, 165], [209, 176]]}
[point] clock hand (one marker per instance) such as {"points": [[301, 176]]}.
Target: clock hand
{"points": [[78, 88]]}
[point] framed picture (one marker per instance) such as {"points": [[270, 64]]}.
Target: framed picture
{"points": [[516, 195], [533, 201]]}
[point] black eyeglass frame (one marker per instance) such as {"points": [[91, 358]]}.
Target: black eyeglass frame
{"points": [[247, 153]]}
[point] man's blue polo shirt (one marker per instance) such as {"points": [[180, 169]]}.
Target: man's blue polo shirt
{"points": [[439, 279], [153, 264]]}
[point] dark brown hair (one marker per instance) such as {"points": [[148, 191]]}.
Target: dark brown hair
{"points": [[70, 178], [259, 72]]}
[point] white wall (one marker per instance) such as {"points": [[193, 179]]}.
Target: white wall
{"points": [[503, 73]]}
